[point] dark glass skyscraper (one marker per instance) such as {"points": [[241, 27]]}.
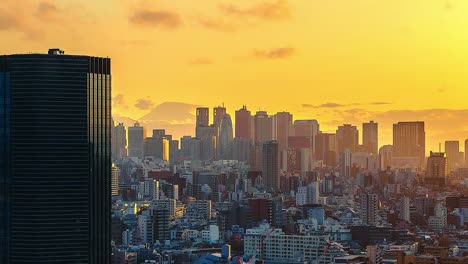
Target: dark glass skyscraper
{"points": [[55, 158], [270, 165]]}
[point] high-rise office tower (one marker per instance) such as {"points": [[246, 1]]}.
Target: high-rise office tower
{"points": [[370, 137], [208, 137], [252, 128], [173, 149], [55, 158], [263, 127], [218, 114], [156, 147], [241, 148], [405, 209], [161, 220], [347, 137], [466, 153], [136, 136], [185, 145], [325, 148], [307, 128], [345, 163], [225, 137], [313, 192], [160, 133], [190, 147], [119, 142], [369, 208], [243, 120], [195, 147], [437, 169], [203, 120], [409, 140], [115, 181], [452, 149], [203, 116], [270, 165], [386, 155], [282, 122]]}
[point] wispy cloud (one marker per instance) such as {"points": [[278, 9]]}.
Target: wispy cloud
{"points": [[276, 10], [325, 105], [216, 24], [119, 99], [380, 103], [336, 105], [276, 53], [46, 7], [156, 18], [144, 104], [31, 18], [7, 20]]}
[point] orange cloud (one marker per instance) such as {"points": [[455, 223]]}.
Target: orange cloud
{"points": [[118, 99], [216, 25], [278, 53], [278, 10], [47, 10], [334, 105], [34, 19], [144, 104], [159, 18]]}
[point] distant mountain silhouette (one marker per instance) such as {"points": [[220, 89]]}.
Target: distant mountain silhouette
{"points": [[171, 112], [127, 121], [177, 118]]}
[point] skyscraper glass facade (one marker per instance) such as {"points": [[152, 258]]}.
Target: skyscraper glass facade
{"points": [[55, 159]]}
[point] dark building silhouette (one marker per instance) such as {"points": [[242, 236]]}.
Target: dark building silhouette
{"points": [[243, 123], [437, 169], [370, 137], [55, 158], [218, 114], [203, 117], [466, 153], [325, 148], [347, 137], [261, 209], [409, 140], [203, 120], [282, 123], [270, 165], [161, 224]]}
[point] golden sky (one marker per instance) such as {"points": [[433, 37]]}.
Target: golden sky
{"points": [[337, 61]]}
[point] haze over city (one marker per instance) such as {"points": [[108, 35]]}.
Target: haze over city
{"points": [[335, 61], [234, 132]]}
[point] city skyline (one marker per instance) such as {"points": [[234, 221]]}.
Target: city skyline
{"points": [[331, 61], [234, 131], [385, 134]]}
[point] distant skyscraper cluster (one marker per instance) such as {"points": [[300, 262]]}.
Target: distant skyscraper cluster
{"points": [[300, 145]]}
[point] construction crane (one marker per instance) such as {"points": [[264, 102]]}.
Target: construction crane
{"points": [[329, 244], [260, 246]]}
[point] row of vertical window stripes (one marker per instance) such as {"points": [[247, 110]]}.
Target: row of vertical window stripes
{"points": [[60, 201]]}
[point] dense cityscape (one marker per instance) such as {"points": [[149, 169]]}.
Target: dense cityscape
{"points": [[233, 132], [271, 189], [268, 189]]}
